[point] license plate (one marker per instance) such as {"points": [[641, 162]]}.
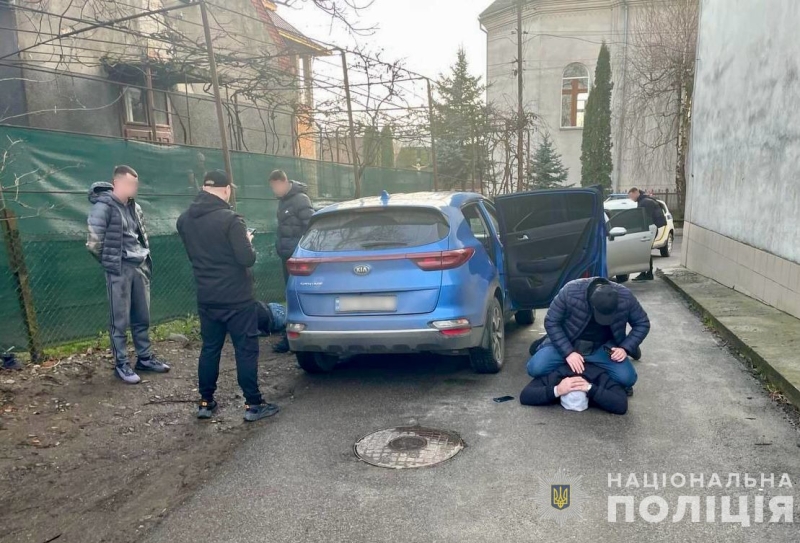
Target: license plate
{"points": [[353, 304]]}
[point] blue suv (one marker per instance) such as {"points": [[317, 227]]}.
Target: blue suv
{"points": [[436, 272]]}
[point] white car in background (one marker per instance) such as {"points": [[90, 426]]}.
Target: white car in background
{"points": [[630, 242], [614, 204]]}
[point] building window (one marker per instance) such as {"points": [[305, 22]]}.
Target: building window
{"points": [[574, 93], [136, 107], [136, 116]]}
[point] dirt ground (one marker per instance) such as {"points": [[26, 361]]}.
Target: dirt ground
{"points": [[85, 458]]}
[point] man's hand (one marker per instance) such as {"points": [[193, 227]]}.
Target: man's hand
{"points": [[618, 354], [571, 384], [250, 237], [575, 362]]}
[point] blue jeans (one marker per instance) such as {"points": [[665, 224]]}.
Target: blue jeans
{"points": [[547, 360]]}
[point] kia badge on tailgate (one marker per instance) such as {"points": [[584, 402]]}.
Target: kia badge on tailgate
{"points": [[362, 269]]}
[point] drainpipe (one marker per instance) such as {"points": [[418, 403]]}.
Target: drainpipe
{"points": [[623, 108]]}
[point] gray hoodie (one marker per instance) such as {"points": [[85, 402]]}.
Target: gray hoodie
{"points": [[116, 230]]}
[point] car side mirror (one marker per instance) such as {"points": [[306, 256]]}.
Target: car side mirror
{"points": [[616, 232]]}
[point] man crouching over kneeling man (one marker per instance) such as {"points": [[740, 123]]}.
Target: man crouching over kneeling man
{"points": [[587, 322]]}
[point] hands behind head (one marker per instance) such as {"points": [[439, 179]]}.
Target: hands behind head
{"points": [[572, 384]]}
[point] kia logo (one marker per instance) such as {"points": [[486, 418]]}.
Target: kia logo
{"points": [[362, 269]]}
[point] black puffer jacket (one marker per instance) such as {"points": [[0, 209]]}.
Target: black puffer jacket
{"points": [[216, 241], [105, 222], [605, 393], [654, 210], [570, 312], [294, 212]]}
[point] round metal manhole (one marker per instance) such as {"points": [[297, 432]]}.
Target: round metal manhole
{"points": [[408, 447]]}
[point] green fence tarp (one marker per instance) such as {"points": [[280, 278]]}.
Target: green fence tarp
{"points": [[55, 171]]}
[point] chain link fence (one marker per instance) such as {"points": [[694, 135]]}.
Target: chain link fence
{"points": [[57, 291]]}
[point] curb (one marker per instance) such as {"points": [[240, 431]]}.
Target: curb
{"points": [[772, 375]]}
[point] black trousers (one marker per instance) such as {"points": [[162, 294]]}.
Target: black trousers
{"points": [[285, 272], [242, 325]]}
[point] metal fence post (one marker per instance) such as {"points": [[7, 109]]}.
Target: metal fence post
{"points": [[16, 262]]}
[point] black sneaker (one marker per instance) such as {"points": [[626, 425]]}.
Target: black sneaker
{"points": [[152, 364], [282, 346], [629, 391], [206, 409], [253, 413], [646, 276]]}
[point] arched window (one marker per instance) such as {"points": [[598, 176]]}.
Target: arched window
{"points": [[574, 93]]}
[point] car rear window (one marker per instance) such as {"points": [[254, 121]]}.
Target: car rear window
{"points": [[368, 230]]}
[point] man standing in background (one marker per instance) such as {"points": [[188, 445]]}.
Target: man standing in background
{"points": [[294, 213], [222, 255], [656, 215], [118, 240]]}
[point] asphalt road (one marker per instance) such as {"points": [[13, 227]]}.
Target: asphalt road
{"points": [[696, 410]]}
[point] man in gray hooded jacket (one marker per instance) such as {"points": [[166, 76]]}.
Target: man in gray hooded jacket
{"points": [[118, 240]]}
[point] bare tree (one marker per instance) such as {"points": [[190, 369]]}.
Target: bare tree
{"points": [[659, 83]]}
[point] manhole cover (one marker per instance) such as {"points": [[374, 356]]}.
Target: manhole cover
{"points": [[408, 447]]}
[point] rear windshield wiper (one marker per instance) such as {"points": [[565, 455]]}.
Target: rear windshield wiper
{"points": [[385, 243]]}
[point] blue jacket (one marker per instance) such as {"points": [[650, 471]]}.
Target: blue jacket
{"points": [[569, 313], [106, 224]]}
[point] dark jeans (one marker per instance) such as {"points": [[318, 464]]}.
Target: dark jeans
{"points": [[129, 306], [547, 360], [242, 325]]}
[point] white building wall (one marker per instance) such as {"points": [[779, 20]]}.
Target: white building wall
{"points": [[558, 33], [744, 194]]}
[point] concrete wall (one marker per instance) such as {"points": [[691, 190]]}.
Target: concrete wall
{"points": [[744, 194], [560, 32]]}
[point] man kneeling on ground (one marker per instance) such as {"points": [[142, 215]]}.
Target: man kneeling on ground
{"points": [[577, 392], [271, 318], [587, 322]]}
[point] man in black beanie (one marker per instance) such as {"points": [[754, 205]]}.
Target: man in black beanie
{"points": [[587, 322], [222, 255]]}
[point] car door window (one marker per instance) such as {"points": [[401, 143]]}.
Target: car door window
{"points": [[492, 212], [633, 220], [479, 228]]}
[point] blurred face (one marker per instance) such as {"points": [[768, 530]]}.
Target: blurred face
{"points": [[280, 187], [126, 186], [634, 195]]}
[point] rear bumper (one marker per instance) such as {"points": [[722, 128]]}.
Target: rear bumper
{"points": [[383, 341]]}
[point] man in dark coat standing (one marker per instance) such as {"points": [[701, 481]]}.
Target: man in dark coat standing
{"points": [[118, 240], [222, 255], [656, 215], [587, 322], [294, 213]]}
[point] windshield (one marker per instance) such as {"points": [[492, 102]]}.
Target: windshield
{"points": [[372, 230]]}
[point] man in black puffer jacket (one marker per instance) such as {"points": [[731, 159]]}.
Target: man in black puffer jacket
{"points": [[587, 322], [294, 213]]}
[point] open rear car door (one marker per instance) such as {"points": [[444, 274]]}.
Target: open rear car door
{"points": [[550, 237]]}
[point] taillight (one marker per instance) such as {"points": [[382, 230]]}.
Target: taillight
{"points": [[445, 260], [300, 266]]}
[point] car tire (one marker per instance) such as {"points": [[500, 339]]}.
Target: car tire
{"points": [[525, 318], [666, 250], [623, 278], [316, 362], [490, 355]]}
